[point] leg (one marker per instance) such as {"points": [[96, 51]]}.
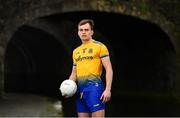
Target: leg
{"points": [[82, 110], [83, 114], [100, 113], [95, 104]]}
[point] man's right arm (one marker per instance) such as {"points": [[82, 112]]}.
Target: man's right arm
{"points": [[73, 75]]}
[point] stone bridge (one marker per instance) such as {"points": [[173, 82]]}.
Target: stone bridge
{"points": [[37, 39]]}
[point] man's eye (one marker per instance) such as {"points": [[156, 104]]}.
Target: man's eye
{"points": [[83, 29], [86, 29]]}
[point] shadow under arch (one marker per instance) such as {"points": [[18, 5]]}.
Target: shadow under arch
{"points": [[139, 49], [34, 62], [144, 63]]}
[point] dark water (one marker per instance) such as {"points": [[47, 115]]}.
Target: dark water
{"points": [[143, 106], [124, 105]]}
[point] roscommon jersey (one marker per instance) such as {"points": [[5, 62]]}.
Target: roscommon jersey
{"points": [[87, 59]]}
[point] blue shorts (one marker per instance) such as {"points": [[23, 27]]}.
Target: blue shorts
{"points": [[89, 100]]}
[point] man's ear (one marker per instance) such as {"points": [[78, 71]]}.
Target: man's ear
{"points": [[92, 32]]}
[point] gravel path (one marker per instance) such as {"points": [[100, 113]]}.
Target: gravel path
{"points": [[27, 105]]}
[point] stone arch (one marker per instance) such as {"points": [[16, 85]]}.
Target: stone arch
{"points": [[35, 10]]}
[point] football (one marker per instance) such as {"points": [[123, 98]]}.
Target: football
{"points": [[68, 88]]}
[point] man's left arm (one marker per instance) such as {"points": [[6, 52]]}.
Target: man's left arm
{"points": [[106, 96]]}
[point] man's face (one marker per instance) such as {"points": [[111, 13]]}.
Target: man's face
{"points": [[84, 31]]}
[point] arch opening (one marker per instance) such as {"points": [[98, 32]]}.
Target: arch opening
{"points": [[34, 62]]}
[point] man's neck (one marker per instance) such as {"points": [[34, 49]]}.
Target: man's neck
{"points": [[87, 41]]}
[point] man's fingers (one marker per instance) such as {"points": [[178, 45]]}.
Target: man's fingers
{"points": [[101, 96], [106, 99]]}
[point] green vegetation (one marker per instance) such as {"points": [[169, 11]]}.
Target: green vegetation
{"points": [[143, 7]]}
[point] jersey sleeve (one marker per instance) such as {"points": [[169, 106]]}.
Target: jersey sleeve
{"points": [[104, 51], [74, 60]]}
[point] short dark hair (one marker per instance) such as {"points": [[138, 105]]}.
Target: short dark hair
{"points": [[84, 21]]}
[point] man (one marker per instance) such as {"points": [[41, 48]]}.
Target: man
{"points": [[88, 59]]}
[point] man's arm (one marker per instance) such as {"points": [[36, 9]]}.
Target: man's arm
{"points": [[109, 77], [73, 75]]}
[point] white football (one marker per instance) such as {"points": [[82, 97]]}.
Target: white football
{"points": [[68, 88]]}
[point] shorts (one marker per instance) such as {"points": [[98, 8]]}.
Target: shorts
{"points": [[89, 101]]}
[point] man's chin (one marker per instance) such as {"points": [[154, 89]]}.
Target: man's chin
{"points": [[85, 39]]}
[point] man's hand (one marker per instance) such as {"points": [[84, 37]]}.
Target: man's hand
{"points": [[106, 96]]}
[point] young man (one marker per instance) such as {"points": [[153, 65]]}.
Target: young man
{"points": [[88, 59]]}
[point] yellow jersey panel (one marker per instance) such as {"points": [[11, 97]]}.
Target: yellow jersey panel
{"points": [[87, 59]]}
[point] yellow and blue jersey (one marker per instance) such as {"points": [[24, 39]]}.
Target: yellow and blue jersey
{"points": [[87, 59]]}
